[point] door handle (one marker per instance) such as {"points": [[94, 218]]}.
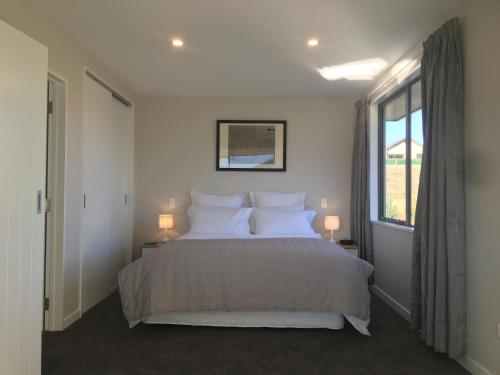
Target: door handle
{"points": [[39, 202]]}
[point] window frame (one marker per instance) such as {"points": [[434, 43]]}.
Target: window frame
{"points": [[404, 88]]}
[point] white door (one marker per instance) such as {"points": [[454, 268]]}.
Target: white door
{"points": [[23, 110], [121, 155], [97, 180], [108, 169]]}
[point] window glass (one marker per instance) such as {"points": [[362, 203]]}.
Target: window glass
{"points": [[395, 158], [402, 141], [417, 144]]}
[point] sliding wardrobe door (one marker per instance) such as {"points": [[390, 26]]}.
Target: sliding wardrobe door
{"points": [[98, 189], [23, 111], [107, 215], [128, 116], [121, 201]]}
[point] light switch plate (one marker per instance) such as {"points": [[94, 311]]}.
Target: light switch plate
{"points": [[324, 203], [171, 202]]}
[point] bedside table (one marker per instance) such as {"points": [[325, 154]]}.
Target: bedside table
{"points": [[149, 248], [352, 249]]}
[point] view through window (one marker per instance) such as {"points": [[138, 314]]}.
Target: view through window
{"points": [[401, 148]]}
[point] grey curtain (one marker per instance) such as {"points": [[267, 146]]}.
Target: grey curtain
{"points": [[438, 298], [360, 190]]}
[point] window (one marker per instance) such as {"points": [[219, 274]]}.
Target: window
{"points": [[401, 143]]}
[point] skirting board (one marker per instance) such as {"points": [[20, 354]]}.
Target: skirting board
{"points": [[400, 309], [71, 318], [466, 362], [472, 366]]}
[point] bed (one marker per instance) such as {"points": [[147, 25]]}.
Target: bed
{"points": [[238, 279], [248, 282]]}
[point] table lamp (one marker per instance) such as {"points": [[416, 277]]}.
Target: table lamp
{"points": [[332, 223], [166, 222]]}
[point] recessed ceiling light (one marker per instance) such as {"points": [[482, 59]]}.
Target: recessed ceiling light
{"points": [[313, 42], [177, 42], [364, 70]]}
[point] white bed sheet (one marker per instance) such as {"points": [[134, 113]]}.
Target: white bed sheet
{"points": [[254, 319], [251, 319]]}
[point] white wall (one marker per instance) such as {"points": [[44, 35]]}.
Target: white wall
{"points": [[175, 152], [392, 261], [481, 33], [481, 25], [66, 60]]}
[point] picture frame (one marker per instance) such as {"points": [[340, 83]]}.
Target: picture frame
{"points": [[251, 145]]}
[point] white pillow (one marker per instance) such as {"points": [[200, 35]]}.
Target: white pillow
{"points": [[282, 221], [275, 199], [216, 220], [213, 200], [310, 214]]}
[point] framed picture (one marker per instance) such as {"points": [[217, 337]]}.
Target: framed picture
{"points": [[251, 145]]}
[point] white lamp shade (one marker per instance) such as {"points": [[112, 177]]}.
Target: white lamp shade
{"points": [[166, 221], [332, 223]]}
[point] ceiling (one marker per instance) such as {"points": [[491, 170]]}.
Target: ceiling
{"points": [[237, 48]]}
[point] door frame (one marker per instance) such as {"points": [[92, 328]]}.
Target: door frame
{"points": [[54, 245]]}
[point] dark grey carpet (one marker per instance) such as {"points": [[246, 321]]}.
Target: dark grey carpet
{"points": [[101, 344]]}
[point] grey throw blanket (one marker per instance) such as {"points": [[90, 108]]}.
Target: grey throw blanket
{"points": [[278, 274]]}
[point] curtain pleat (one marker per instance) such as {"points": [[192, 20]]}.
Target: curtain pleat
{"points": [[438, 290], [361, 231]]}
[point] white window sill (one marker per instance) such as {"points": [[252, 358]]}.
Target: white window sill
{"points": [[402, 228]]}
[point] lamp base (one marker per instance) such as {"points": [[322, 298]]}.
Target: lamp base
{"points": [[165, 238]]}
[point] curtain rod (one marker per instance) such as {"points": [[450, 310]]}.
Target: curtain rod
{"points": [[414, 55]]}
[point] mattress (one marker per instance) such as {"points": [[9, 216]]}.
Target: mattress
{"points": [[251, 319], [260, 319]]}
